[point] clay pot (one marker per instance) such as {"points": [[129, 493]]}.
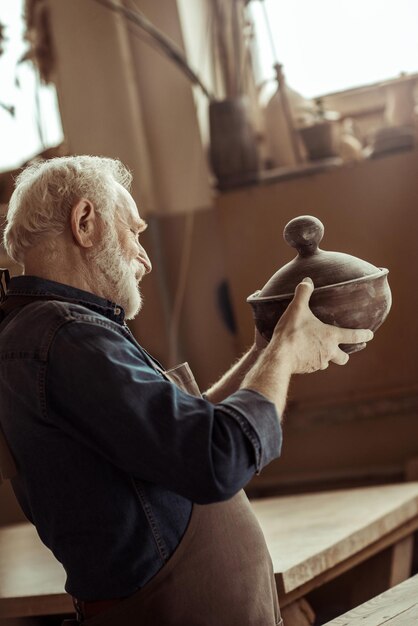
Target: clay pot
{"points": [[233, 145], [321, 139], [348, 293]]}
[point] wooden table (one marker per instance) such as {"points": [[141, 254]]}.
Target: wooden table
{"points": [[31, 580], [312, 539], [396, 607]]}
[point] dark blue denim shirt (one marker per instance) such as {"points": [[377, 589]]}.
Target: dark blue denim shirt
{"points": [[111, 454]]}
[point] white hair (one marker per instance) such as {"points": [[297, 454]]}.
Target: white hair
{"points": [[46, 191]]}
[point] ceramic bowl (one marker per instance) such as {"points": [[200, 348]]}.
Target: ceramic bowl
{"points": [[349, 292]]}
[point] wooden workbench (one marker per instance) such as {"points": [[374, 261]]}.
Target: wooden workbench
{"points": [[395, 607], [313, 538], [31, 580]]}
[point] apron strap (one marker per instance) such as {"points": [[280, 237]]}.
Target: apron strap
{"points": [[4, 282], [183, 377], [8, 467]]}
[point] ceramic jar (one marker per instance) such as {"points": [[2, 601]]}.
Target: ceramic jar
{"points": [[349, 292]]}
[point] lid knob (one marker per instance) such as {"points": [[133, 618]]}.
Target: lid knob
{"points": [[304, 233]]}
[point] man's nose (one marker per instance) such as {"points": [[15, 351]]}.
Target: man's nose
{"points": [[144, 259]]}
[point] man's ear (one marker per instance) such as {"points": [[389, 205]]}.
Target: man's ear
{"points": [[84, 223]]}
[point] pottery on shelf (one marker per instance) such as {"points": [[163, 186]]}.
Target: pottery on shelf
{"points": [[349, 292], [233, 149]]}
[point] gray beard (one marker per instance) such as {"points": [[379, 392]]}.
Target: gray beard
{"points": [[116, 277]]}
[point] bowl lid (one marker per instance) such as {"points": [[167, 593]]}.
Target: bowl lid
{"points": [[324, 267]]}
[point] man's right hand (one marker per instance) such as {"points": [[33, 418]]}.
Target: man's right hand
{"points": [[307, 343], [300, 344]]}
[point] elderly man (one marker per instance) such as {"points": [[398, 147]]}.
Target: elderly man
{"points": [[134, 483]]}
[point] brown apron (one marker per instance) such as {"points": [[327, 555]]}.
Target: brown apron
{"points": [[220, 575]]}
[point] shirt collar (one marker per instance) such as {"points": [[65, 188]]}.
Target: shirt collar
{"points": [[35, 286]]}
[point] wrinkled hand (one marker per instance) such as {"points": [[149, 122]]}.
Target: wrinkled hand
{"points": [[308, 343]]}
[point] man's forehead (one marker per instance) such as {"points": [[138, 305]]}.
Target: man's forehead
{"points": [[129, 208]]}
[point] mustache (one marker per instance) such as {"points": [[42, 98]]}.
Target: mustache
{"points": [[139, 269]]}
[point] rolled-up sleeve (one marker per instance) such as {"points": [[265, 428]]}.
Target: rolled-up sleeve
{"points": [[104, 393], [259, 421]]}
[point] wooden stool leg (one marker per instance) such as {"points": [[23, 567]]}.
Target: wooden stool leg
{"points": [[383, 571], [402, 553], [298, 613]]}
